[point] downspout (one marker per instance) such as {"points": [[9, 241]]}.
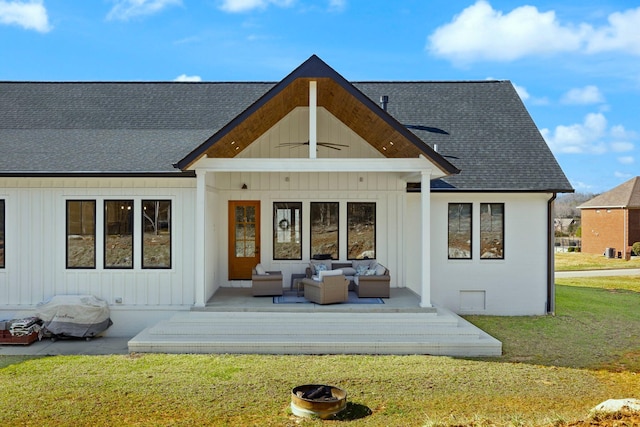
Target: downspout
{"points": [[625, 236], [551, 282]]}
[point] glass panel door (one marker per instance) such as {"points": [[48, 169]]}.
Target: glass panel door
{"points": [[244, 238]]}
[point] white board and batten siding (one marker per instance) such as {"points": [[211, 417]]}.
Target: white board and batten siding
{"points": [[515, 285], [36, 246]]}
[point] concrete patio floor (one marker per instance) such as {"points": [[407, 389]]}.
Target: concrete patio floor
{"points": [[240, 299]]}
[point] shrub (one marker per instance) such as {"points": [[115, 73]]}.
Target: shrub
{"points": [[636, 248]]}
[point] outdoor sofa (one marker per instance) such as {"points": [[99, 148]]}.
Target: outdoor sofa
{"points": [[367, 277]]}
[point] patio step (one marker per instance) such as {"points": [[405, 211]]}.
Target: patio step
{"points": [[441, 333]]}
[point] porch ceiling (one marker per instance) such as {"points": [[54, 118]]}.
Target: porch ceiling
{"points": [[364, 121]]}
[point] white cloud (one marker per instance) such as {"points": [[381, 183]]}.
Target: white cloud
{"points": [[583, 96], [622, 146], [592, 136], [247, 5], [626, 160], [585, 137], [622, 175], [522, 92], [127, 9], [524, 95], [620, 132], [480, 32], [185, 78], [581, 186], [30, 15], [622, 34]]}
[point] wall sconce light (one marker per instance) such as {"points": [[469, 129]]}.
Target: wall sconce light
{"points": [[244, 186]]}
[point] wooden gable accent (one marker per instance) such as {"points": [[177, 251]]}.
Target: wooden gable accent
{"points": [[364, 121], [345, 107], [244, 133], [338, 97]]}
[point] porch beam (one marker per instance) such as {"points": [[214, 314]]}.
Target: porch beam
{"points": [[416, 165]]}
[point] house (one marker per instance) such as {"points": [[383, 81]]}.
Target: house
{"points": [[611, 220], [153, 195], [564, 225]]}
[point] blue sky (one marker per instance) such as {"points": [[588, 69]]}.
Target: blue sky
{"points": [[575, 64]]}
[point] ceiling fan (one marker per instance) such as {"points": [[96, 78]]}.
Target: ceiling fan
{"points": [[332, 145]]}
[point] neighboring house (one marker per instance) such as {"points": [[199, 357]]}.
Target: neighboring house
{"points": [[152, 196], [563, 225], [611, 220]]}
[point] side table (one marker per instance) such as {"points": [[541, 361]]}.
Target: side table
{"points": [[296, 279]]}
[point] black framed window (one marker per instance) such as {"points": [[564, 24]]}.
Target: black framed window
{"points": [[2, 228], [325, 229], [81, 234], [156, 234], [459, 230], [492, 230], [287, 230], [118, 234], [361, 230]]}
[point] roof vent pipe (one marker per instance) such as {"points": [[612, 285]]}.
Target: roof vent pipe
{"points": [[384, 100]]}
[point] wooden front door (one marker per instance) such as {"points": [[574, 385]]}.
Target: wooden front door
{"points": [[244, 238]]}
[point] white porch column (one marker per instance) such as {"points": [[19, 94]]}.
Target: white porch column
{"points": [[201, 219], [425, 220]]}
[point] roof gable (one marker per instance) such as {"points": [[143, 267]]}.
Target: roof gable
{"points": [[625, 195], [336, 95]]}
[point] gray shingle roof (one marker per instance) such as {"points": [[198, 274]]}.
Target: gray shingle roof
{"points": [[480, 127]]}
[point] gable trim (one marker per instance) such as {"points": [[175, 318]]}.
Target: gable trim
{"points": [[315, 69]]}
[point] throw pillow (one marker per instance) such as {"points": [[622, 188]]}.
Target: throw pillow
{"points": [[370, 273], [318, 266], [260, 270], [380, 270], [361, 269]]}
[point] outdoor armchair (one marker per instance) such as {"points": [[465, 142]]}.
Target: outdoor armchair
{"points": [[331, 289], [268, 283]]}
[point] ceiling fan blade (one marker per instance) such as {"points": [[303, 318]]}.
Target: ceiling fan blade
{"points": [[427, 128], [332, 145], [329, 146]]}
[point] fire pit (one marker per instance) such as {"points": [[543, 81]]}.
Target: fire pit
{"points": [[323, 401]]}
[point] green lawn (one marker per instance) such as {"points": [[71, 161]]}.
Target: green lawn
{"points": [[572, 261], [553, 371]]}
